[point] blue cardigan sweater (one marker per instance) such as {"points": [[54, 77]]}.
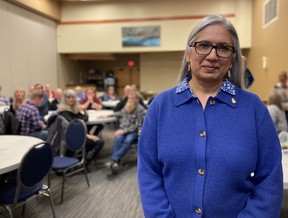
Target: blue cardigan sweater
{"points": [[222, 162]]}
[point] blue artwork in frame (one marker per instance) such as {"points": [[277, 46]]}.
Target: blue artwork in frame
{"points": [[141, 36]]}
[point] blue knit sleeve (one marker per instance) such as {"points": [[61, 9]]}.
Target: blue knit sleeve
{"points": [[150, 178], [266, 196]]}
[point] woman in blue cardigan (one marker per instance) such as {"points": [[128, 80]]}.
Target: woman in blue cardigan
{"points": [[208, 148]]}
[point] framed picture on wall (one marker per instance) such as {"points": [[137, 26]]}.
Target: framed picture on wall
{"points": [[141, 36]]}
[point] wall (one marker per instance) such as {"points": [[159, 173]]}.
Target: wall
{"points": [[96, 27], [48, 8], [27, 49], [270, 42]]}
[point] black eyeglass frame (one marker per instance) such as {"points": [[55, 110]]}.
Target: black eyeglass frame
{"points": [[233, 50]]}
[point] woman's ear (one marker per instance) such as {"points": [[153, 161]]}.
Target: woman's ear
{"points": [[187, 57]]}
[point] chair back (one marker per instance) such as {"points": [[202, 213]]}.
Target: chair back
{"points": [[35, 165], [11, 123], [76, 135]]}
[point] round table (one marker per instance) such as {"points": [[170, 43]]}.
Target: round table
{"points": [[95, 117], [12, 149], [110, 104]]}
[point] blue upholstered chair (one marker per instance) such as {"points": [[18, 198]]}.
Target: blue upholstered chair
{"points": [[34, 166], [75, 137]]}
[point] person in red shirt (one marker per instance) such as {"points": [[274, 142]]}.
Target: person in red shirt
{"points": [[91, 102]]}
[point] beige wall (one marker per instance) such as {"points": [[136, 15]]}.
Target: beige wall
{"points": [[27, 49], [159, 66], [49, 8], [270, 42], [78, 32]]}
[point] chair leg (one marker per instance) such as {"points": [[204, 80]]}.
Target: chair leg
{"points": [[9, 211], [51, 203], [62, 193], [86, 176], [23, 210]]}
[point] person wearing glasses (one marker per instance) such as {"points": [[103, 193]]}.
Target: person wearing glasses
{"points": [[207, 147]]}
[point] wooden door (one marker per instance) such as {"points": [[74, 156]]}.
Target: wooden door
{"points": [[126, 76]]}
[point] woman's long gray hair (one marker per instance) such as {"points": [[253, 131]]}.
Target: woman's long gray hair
{"points": [[64, 105], [237, 70]]}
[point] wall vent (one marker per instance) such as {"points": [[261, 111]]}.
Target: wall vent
{"points": [[270, 12]]}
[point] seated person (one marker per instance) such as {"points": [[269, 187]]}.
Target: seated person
{"points": [[277, 112], [49, 92], [110, 95], [131, 117], [18, 100], [127, 90], [28, 115], [109, 80], [3, 99], [79, 93], [43, 107], [31, 89], [91, 101], [54, 105], [282, 88], [70, 110]]}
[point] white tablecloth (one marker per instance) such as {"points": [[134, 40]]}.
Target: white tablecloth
{"points": [[12, 149], [95, 117], [110, 104]]}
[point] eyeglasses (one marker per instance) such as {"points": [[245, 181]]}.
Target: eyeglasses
{"points": [[222, 50]]}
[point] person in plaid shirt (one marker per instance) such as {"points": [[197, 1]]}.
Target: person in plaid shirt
{"points": [[28, 115]]}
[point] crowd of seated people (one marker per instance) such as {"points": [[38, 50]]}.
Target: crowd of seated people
{"points": [[30, 110]]}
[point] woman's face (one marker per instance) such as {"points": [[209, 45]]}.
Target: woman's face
{"points": [[19, 94], [71, 100], [210, 68], [90, 93], [111, 90]]}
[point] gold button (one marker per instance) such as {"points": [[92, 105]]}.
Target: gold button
{"points": [[202, 133], [233, 100], [212, 102], [201, 172], [198, 210]]}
